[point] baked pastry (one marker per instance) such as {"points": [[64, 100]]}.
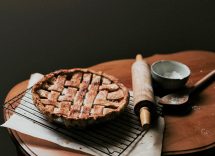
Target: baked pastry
{"points": [[79, 97]]}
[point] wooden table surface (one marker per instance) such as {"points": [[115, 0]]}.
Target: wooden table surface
{"points": [[183, 134]]}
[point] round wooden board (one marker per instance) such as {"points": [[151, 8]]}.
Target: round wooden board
{"points": [[183, 134]]}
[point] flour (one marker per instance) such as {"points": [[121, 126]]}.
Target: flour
{"points": [[173, 75]]}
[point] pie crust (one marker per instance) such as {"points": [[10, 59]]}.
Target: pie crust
{"points": [[79, 97]]}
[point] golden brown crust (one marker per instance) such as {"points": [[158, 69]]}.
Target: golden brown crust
{"points": [[81, 120]]}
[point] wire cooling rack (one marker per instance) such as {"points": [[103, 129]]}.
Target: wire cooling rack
{"points": [[111, 138]]}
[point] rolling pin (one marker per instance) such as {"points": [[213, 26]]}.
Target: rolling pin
{"points": [[143, 91]]}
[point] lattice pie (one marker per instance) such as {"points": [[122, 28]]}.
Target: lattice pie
{"points": [[79, 97]]}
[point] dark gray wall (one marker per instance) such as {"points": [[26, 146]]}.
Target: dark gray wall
{"points": [[41, 36]]}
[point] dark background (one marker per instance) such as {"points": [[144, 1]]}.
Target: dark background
{"points": [[42, 36]]}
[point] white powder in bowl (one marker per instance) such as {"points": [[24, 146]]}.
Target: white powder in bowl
{"points": [[173, 75]]}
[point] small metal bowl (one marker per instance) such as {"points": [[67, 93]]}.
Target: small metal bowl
{"points": [[170, 74]]}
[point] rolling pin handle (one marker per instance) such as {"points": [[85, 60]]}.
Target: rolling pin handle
{"points": [[139, 57], [145, 117]]}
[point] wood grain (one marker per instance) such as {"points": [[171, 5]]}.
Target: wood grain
{"points": [[183, 134]]}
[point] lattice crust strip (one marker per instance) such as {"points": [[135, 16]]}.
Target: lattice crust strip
{"points": [[79, 94]]}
